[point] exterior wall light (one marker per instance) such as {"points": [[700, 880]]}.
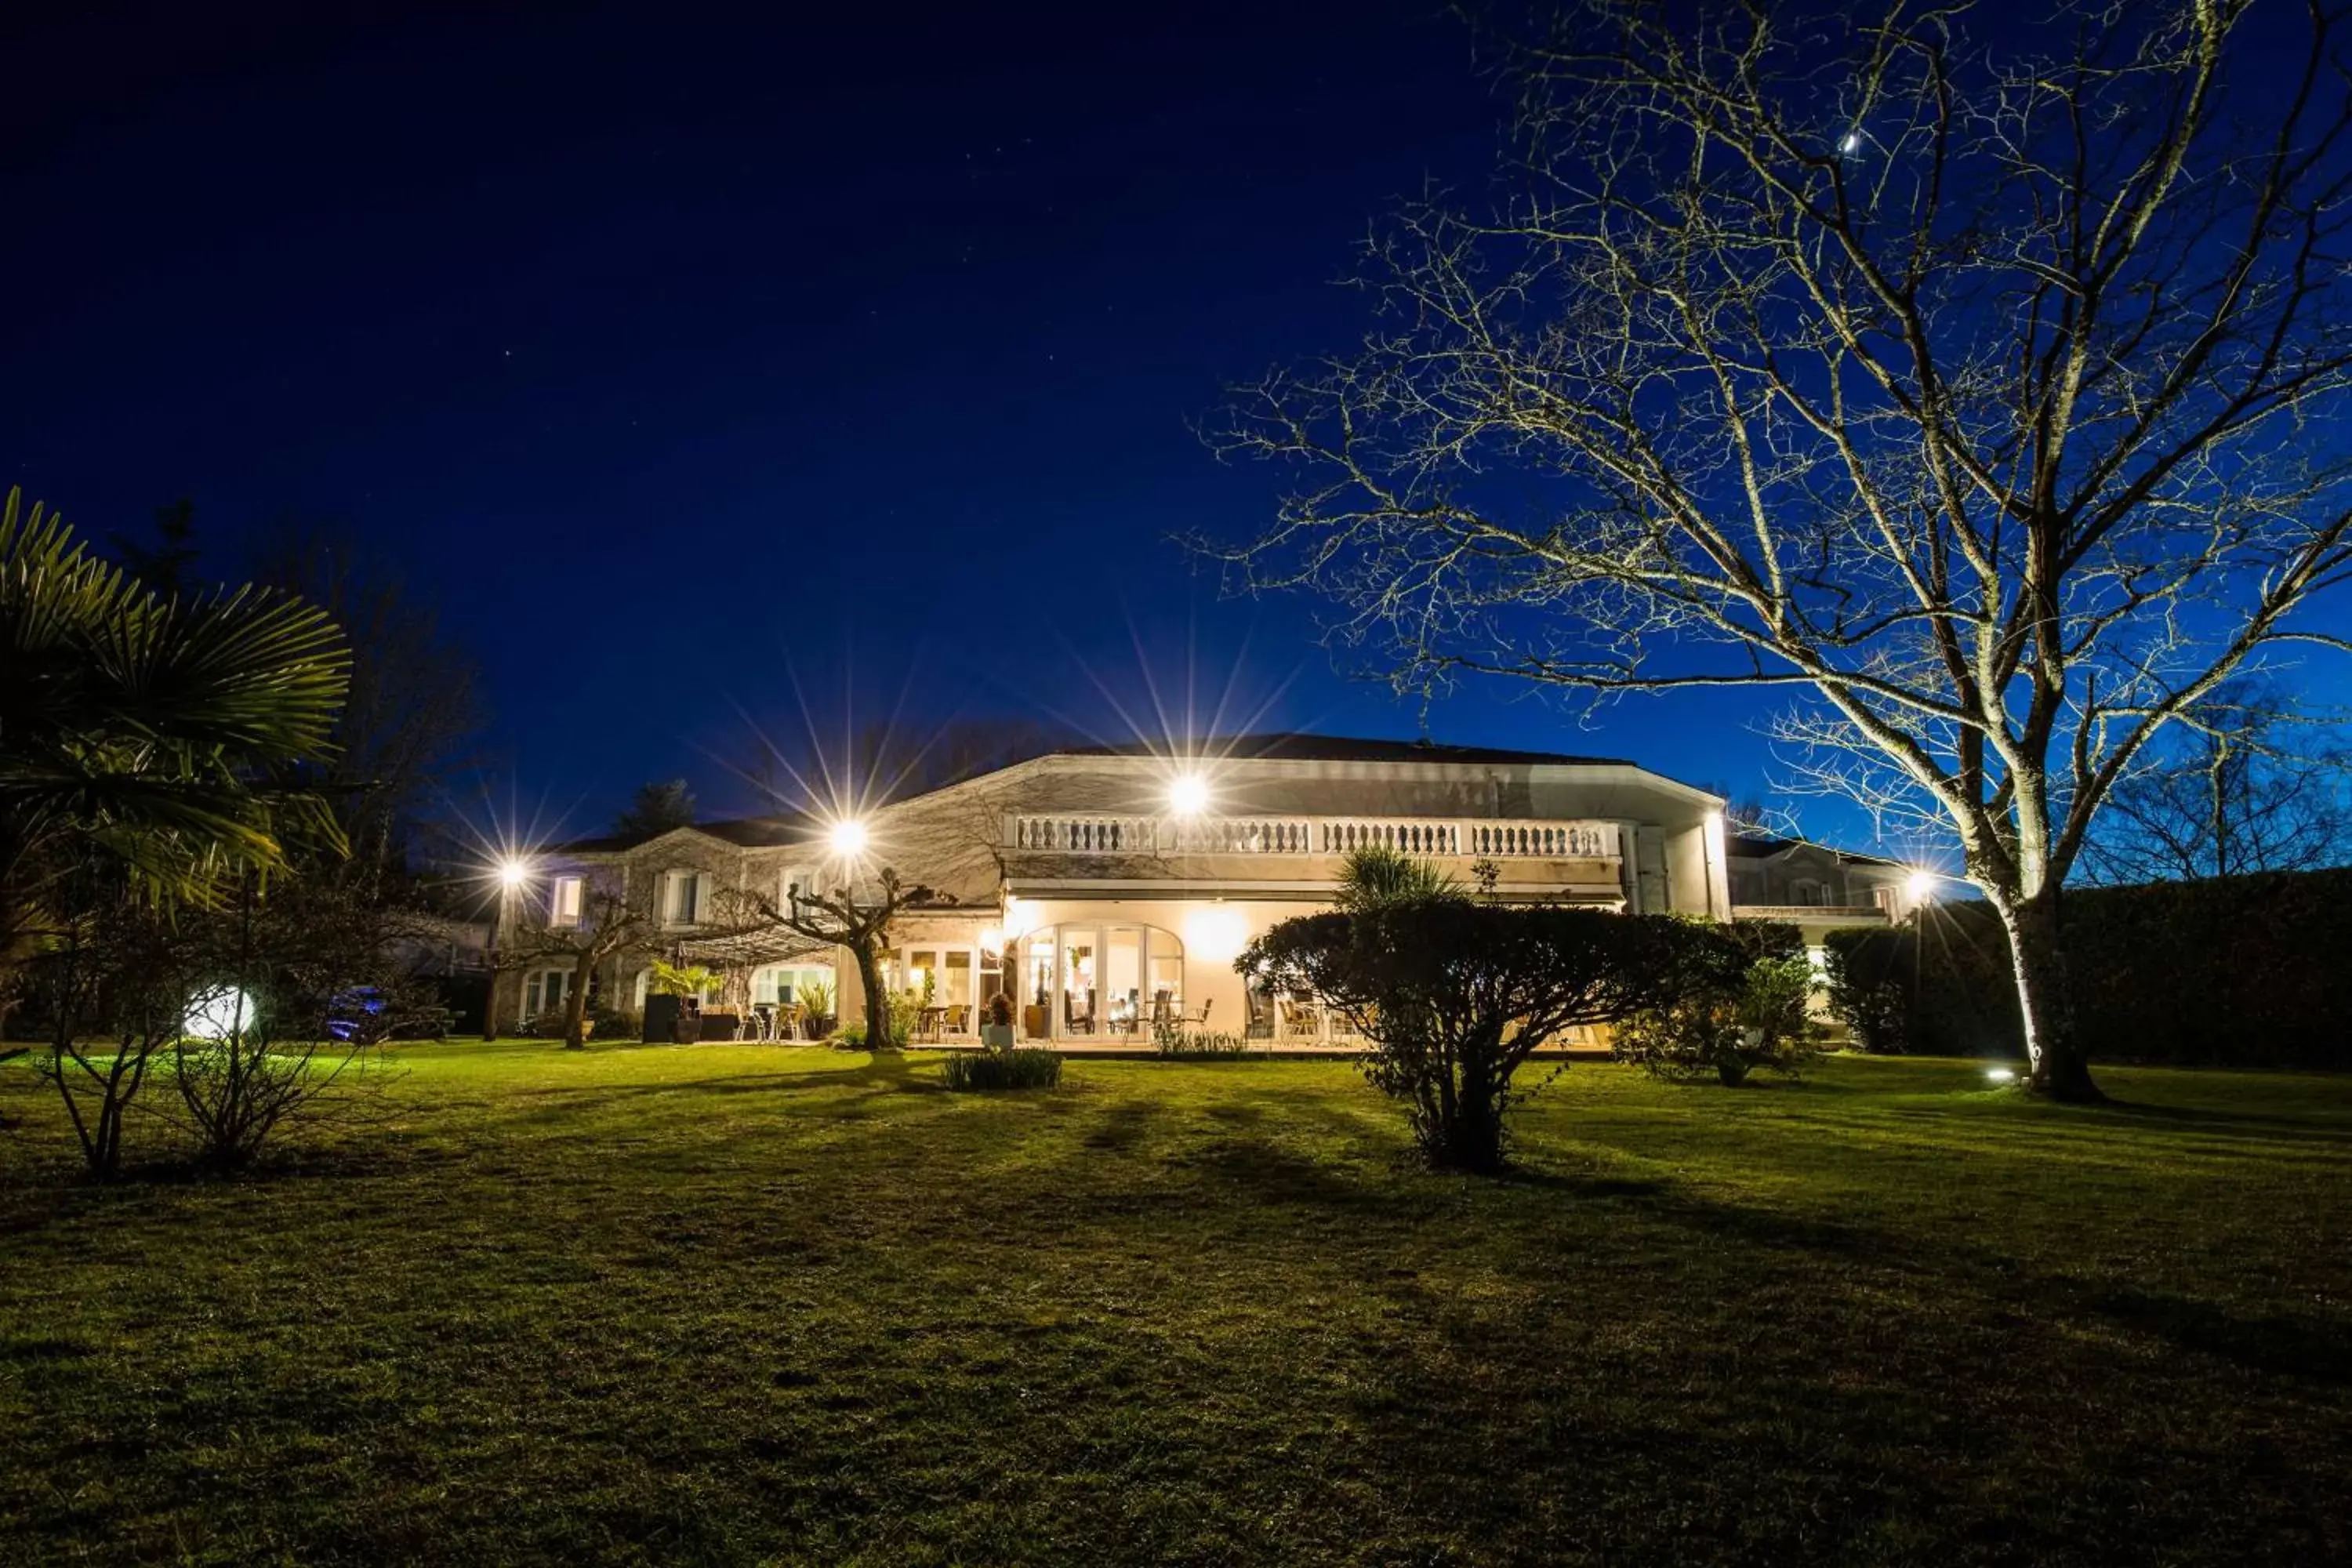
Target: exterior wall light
{"points": [[513, 873], [1188, 794], [849, 837]]}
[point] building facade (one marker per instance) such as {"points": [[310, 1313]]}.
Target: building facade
{"points": [[1108, 890]]}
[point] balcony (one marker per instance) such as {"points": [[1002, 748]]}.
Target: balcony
{"points": [[1475, 838]]}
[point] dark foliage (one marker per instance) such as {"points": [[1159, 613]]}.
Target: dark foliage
{"points": [[656, 809], [2237, 970], [1173, 1041], [1454, 996], [1754, 1014], [1027, 1068]]}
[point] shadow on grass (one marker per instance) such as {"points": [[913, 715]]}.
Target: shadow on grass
{"points": [[893, 1075], [2249, 1124], [2269, 1343]]}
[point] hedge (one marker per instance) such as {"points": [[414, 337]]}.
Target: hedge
{"points": [[2238, 970]]}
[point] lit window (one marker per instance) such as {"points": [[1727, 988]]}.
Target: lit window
{"points": [[563, 901]]}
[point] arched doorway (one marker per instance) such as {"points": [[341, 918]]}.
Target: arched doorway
{"points": [[1087, 980]]}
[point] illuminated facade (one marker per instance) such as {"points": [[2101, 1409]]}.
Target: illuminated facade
{"points": [[1108, 890]]}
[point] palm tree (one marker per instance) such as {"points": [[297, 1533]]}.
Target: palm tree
{"points": [[1378, 877], [163, 739]]}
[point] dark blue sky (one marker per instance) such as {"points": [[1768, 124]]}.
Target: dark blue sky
{"points": [[678, 354]]}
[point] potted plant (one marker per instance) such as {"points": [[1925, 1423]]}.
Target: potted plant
{"points": [[817, 997], [997, 1032]]}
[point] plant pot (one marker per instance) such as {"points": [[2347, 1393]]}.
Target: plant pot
{"points": [[996, 1036], [820, 1025], [1732, 1071]]}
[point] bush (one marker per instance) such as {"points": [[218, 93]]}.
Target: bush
{"points": [[1454, 996], [1027, 1067], [1173, 1040], [848, 1036], [1759, 1021], [2229, 972]]}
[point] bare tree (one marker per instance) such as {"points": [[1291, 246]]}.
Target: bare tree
{"points": [[610, 926], [414, 707], [2245, 787], [1979, 393], [854, 916]]}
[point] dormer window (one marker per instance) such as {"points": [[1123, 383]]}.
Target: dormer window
{"points": [[563, 897]]}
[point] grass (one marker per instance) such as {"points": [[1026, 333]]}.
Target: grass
{"points": [[734, 1304]]}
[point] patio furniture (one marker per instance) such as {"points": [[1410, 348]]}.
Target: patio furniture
{"points": [[928, 1022], [1259, 1025], [959, 1019]]}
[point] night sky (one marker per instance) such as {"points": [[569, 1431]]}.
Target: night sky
{"points": [[689, 362]]}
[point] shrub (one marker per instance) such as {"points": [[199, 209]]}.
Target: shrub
{"points": [[1759, 1020], [1172, 1040], [1027, 1067], [848, 1036], [1454, 996]]}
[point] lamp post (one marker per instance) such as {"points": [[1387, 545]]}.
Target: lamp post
{"points": [[1922, 888], [512, 871]]}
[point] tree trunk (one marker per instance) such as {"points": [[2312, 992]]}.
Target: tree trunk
{"points": [[576, 1009], [877, 1000], [2038, 954]]}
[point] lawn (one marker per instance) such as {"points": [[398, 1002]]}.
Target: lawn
{"points": [[733, 1304]]}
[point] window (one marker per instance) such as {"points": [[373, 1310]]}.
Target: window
{"points": [[545, 990], [682, 897], [1118, 980], [1805, 894], [563, 901], [782, 984], [797, 881]]}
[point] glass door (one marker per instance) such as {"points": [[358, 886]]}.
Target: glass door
{"points": [[1081, 950], [1123, 979]]}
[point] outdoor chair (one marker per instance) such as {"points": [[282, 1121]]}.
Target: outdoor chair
{"points": [[959, 1020]]}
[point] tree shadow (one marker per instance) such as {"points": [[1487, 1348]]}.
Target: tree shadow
{"points": [[2270, 1342], [2251, 1124]]}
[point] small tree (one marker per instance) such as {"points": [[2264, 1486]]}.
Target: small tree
{"points": [[1378, 877], [114, 985], [842, 918], [1454, 995], [610, 926]]}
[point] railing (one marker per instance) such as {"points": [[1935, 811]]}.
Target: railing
{"points": [[1237, 835], [1847, 914], [1087, 835], [1476, 839], [1544, 841]]}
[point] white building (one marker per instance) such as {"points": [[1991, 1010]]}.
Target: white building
{"points": [[1105, 888]]}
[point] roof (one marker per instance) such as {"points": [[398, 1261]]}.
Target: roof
{"points": [[743, 831], [1297, 746], [1764, 845]]}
